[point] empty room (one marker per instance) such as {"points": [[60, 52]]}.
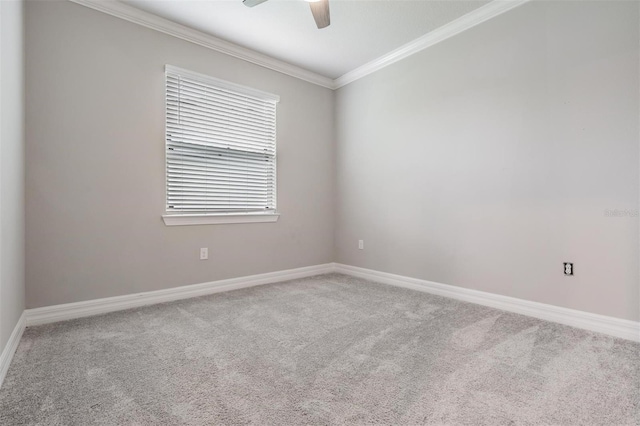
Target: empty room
{"points": [[319, 212]]}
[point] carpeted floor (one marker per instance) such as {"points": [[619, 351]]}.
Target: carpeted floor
{"points": [[323, 350]]}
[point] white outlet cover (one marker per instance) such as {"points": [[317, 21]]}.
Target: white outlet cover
{"points": [[204, 253]]}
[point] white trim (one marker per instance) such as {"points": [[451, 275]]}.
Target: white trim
{"points": [[11, 346], [217, 219], [149, 20], [207, 79], [471, 19], [69, 311], [617, 327], [137, 16]]}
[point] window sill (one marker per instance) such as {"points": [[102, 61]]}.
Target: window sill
{"points": [[218, 218]]}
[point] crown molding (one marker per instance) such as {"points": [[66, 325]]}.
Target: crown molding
{"points": [[131, 14], [137, 16], [471, 19]]}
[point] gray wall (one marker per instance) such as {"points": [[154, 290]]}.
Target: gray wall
{"points": [[11, 167], [95, 170], [488, 160], [484, 162]]}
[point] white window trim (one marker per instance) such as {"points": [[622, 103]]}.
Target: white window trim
{"points": [[250, 91], [186, 219], [218, 218]]}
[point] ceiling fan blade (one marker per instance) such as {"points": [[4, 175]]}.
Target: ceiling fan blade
{"points": [[320, 11], [251, 3]]}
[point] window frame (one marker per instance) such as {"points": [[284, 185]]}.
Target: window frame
{"points": [[172, 217]]}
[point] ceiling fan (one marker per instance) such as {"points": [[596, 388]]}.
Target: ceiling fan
{"points": [[319, 9]]}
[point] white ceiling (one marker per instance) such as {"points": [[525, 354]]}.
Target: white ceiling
{"points": [[360, 30]]}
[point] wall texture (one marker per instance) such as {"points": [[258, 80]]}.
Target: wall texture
{"points": [[488, 160], [95, 164], [11, 167]]}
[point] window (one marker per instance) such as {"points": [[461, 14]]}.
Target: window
{"points": [[220, 151]]}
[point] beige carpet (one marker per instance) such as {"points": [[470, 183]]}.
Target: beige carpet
{"points": [[324, 350]]}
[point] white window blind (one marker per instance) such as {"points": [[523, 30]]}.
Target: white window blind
{"points": [[220, 146]]}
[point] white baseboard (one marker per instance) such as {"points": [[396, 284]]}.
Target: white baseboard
{"points": [[617, 327], [49, 314], [11, 346]]}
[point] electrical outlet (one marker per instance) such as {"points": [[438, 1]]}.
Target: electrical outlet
{"points": [[568, 269], [360, 244], [204, 253]]}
